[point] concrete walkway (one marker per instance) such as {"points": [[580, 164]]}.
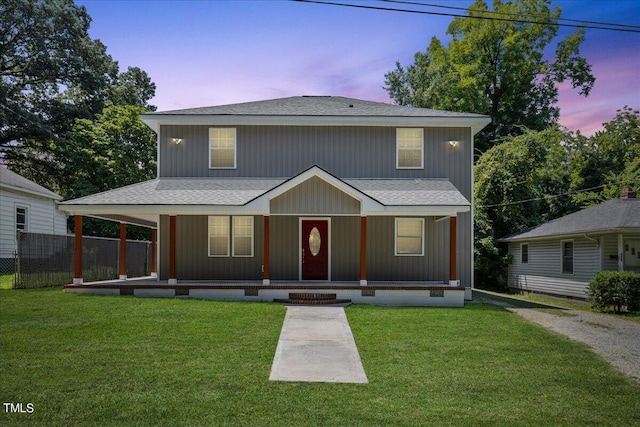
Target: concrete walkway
{"points": [[316, 345]]}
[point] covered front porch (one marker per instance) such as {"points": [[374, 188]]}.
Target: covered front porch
{"points": [[392, 240]]}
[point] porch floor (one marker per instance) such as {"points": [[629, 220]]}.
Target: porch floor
{"points": [[375, 292]]}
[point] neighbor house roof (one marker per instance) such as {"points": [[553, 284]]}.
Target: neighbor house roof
{"points": [[315, 110], [12, 181], [618, 214]]}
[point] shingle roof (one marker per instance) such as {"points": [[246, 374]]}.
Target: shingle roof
{"points": [[183, 191], [611, 215], [315, 111], [237, 192], [9, 179], [316, 106]]}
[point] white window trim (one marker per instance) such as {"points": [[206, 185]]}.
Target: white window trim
{"points": [[522, 253], [398, 150], [27, 219], [573, 257], [395, 237], [209, 236], [235, 149], [233, 236]]}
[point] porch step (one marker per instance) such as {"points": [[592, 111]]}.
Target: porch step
{"points": [[312, 299]]}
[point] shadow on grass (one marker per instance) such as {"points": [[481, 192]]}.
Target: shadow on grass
{"points": [[487, 296]]}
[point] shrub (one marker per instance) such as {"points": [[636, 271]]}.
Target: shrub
{"points": [[615, 289]]}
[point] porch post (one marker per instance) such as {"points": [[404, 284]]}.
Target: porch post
{"points": [[265, 267], [620, 252], [77, 253], [172, 250], [453, 251], [154, 238], [123, 251], [363, 251]]}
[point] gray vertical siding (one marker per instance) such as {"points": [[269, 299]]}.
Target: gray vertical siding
{"points": [[193, 262], [382, 264], [543, 272], [347, 152], [192, 257], [315, 196], [283, 248]]}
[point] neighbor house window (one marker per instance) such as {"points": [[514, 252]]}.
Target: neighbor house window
{"points": [[243, 236], [524, 253], [409, 236], [222, 148], [22, 219], [409, 148], [218, 236], [567, 256]]}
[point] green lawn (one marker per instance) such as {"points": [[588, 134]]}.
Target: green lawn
{"points": [[95, 360], [6, 281]]}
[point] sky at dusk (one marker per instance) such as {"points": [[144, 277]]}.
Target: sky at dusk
{"points": [[203, 53]]}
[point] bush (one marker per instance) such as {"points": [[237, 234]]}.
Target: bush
{"points": [[615, 289]]}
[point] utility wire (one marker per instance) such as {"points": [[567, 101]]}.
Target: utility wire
{"points": [[490, 18], [547, 196], [417, 3]]}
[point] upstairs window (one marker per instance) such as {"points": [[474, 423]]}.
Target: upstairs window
{"points": [[409, 148], [567, 256], [222, 148]]}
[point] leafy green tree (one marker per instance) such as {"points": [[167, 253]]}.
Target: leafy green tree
{"points": [[496, 67], [117, 149], [609, 161], [51, 71], [514, 182]]}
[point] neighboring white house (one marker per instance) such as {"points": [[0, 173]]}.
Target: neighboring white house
{"points": [[26, 206], [561, 257]]}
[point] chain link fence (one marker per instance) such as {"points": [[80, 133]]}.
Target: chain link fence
{"points": [[7, 268], [45, 260]]}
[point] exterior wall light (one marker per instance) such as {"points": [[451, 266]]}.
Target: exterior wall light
{"points": [[176, 141], [453, 142]]}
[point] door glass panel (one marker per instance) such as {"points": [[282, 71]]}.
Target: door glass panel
{"points": [[314, 241]]}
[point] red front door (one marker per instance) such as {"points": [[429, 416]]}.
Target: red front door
{"points": [[315, 249]]}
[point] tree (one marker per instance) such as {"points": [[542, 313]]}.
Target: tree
{"points": [[51, 70], [515, 187], [496, 67], [117, 149], [609, 161]]}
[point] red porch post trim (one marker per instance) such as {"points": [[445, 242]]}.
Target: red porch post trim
{"points": [[123, 251], [172, 250], [77, 252], [453, 237], [154, 239], [265, 267], [363, 251]]}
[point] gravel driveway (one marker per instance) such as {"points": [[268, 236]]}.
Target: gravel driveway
{"points": [[616, 340]]}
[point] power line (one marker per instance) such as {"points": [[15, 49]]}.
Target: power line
{"points": [[491, 18], [495, 12], [546, 196]]}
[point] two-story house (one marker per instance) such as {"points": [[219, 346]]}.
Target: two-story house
{"points": [[306, 192]]}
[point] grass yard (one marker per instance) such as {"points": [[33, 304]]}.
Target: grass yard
{"points": [[6, 281], [100, 361]]}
